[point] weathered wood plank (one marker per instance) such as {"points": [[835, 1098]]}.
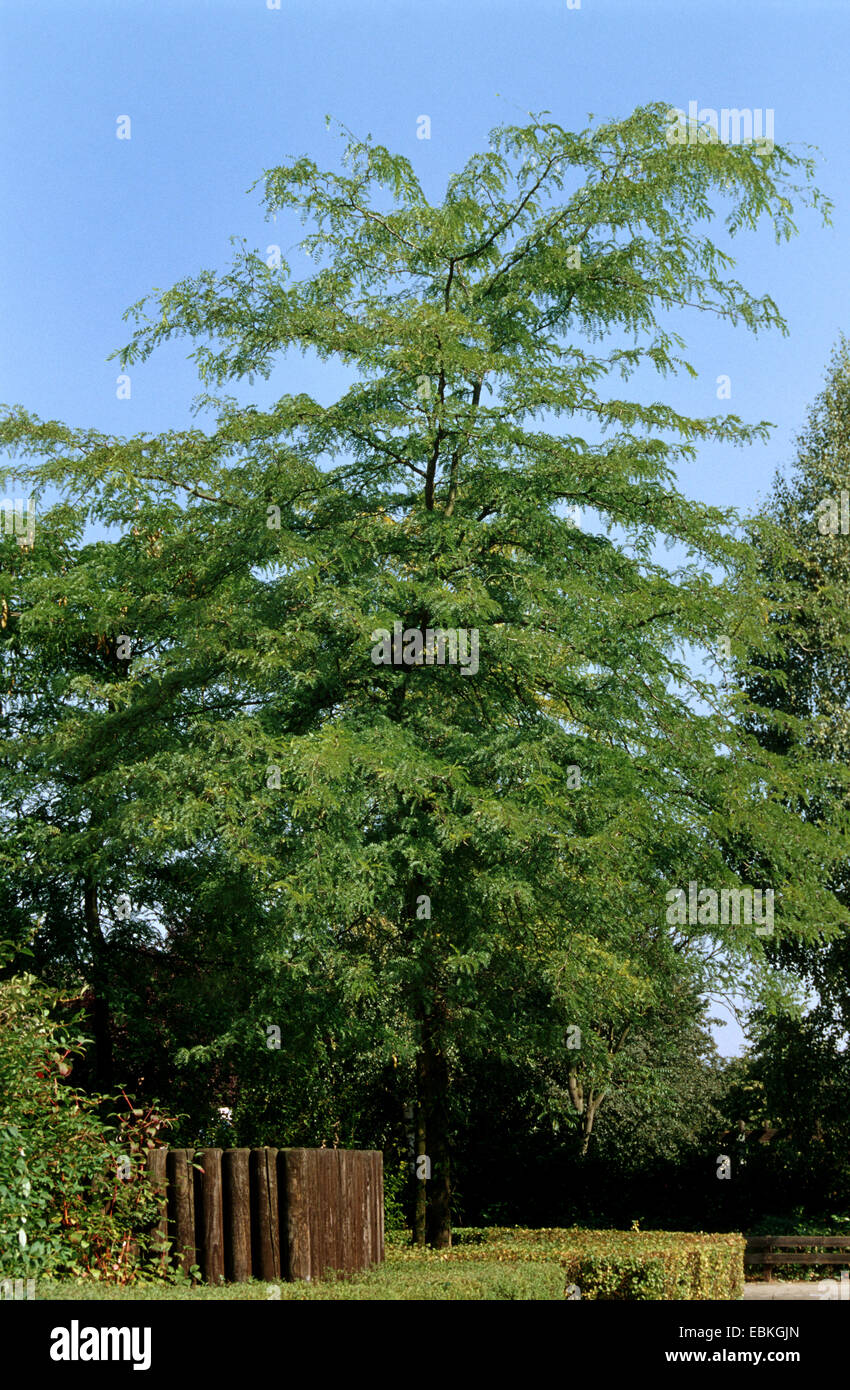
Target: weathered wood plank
{"points": [[336, 1184], [265, 1224], [211, 1224], [336, 1175], [283, 1213], [321, 1216], [379, 1206], [793, 1242], [360, 1228], [155, 1165], [236, 1164], [809, 1244], [789, 1258], [370, 1239], [297, 1206], [295, 1213], [181, 1204]]}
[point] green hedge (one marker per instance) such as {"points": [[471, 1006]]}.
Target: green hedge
{"points": [[633, 1265]]}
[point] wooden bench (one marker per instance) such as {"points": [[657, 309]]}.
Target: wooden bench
{"points": [[770, 1251]]}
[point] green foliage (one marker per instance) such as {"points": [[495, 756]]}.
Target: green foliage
{"points": [[65, 1208], [511, 1263], [798, 677], [796, 1079], [396, 1180], [251, 559], [794, 1086], [662, 1269], [621, 1264], [799, 1223], [666, 1105]]}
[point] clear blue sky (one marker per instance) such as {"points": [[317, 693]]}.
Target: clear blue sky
{"points": [[219, 90]]}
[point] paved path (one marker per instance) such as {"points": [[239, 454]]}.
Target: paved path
{"points": [[792, 1291]]}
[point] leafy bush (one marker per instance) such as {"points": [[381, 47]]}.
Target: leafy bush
{"points": [[635, 1265], [395, 1182], [74, 1196], [799, 1224]]}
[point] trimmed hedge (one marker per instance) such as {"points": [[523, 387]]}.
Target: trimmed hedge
{"points": [[611, 1265]]}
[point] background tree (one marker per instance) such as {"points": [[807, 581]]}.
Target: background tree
{"points": [[798, 684], [789, 1099]]}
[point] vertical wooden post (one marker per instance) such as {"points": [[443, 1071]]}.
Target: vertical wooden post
{"points": [[295, 1213], [365, 1207], [357, 1194], [350, 1218], [155, 1165], [211, 1225], [379, 1206], [266, 1221], [371, 1197], [181, 1201], [237, 1213], [420, 1186], [328, 1212], [283, 1213], [298, 1214]]}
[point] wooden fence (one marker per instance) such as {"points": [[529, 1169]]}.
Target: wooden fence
{"points": [[770, 1251], [271, 1213]]}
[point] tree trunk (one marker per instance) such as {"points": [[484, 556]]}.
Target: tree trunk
{"points": [[434, 1096], [587, 1107], [104, 1072], [432, 1203], [420, 1198], [587, 1119]]}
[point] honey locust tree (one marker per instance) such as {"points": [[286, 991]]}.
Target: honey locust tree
{"points": [[474, 864]]}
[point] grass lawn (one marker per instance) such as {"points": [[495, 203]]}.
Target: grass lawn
{"points": [[399, 1278]]}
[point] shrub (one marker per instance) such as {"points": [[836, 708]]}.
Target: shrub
{"points": [[395, 1181], [797, 1223], [635, 1265], [74, 1196]]}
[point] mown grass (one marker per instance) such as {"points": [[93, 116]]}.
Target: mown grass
{"points": [[422, 1278]]}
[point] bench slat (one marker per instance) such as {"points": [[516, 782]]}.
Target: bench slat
{"points": [[790, 1258], [798, 1242]]}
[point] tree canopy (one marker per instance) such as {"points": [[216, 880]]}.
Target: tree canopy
{"points": [[409, 866]]}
